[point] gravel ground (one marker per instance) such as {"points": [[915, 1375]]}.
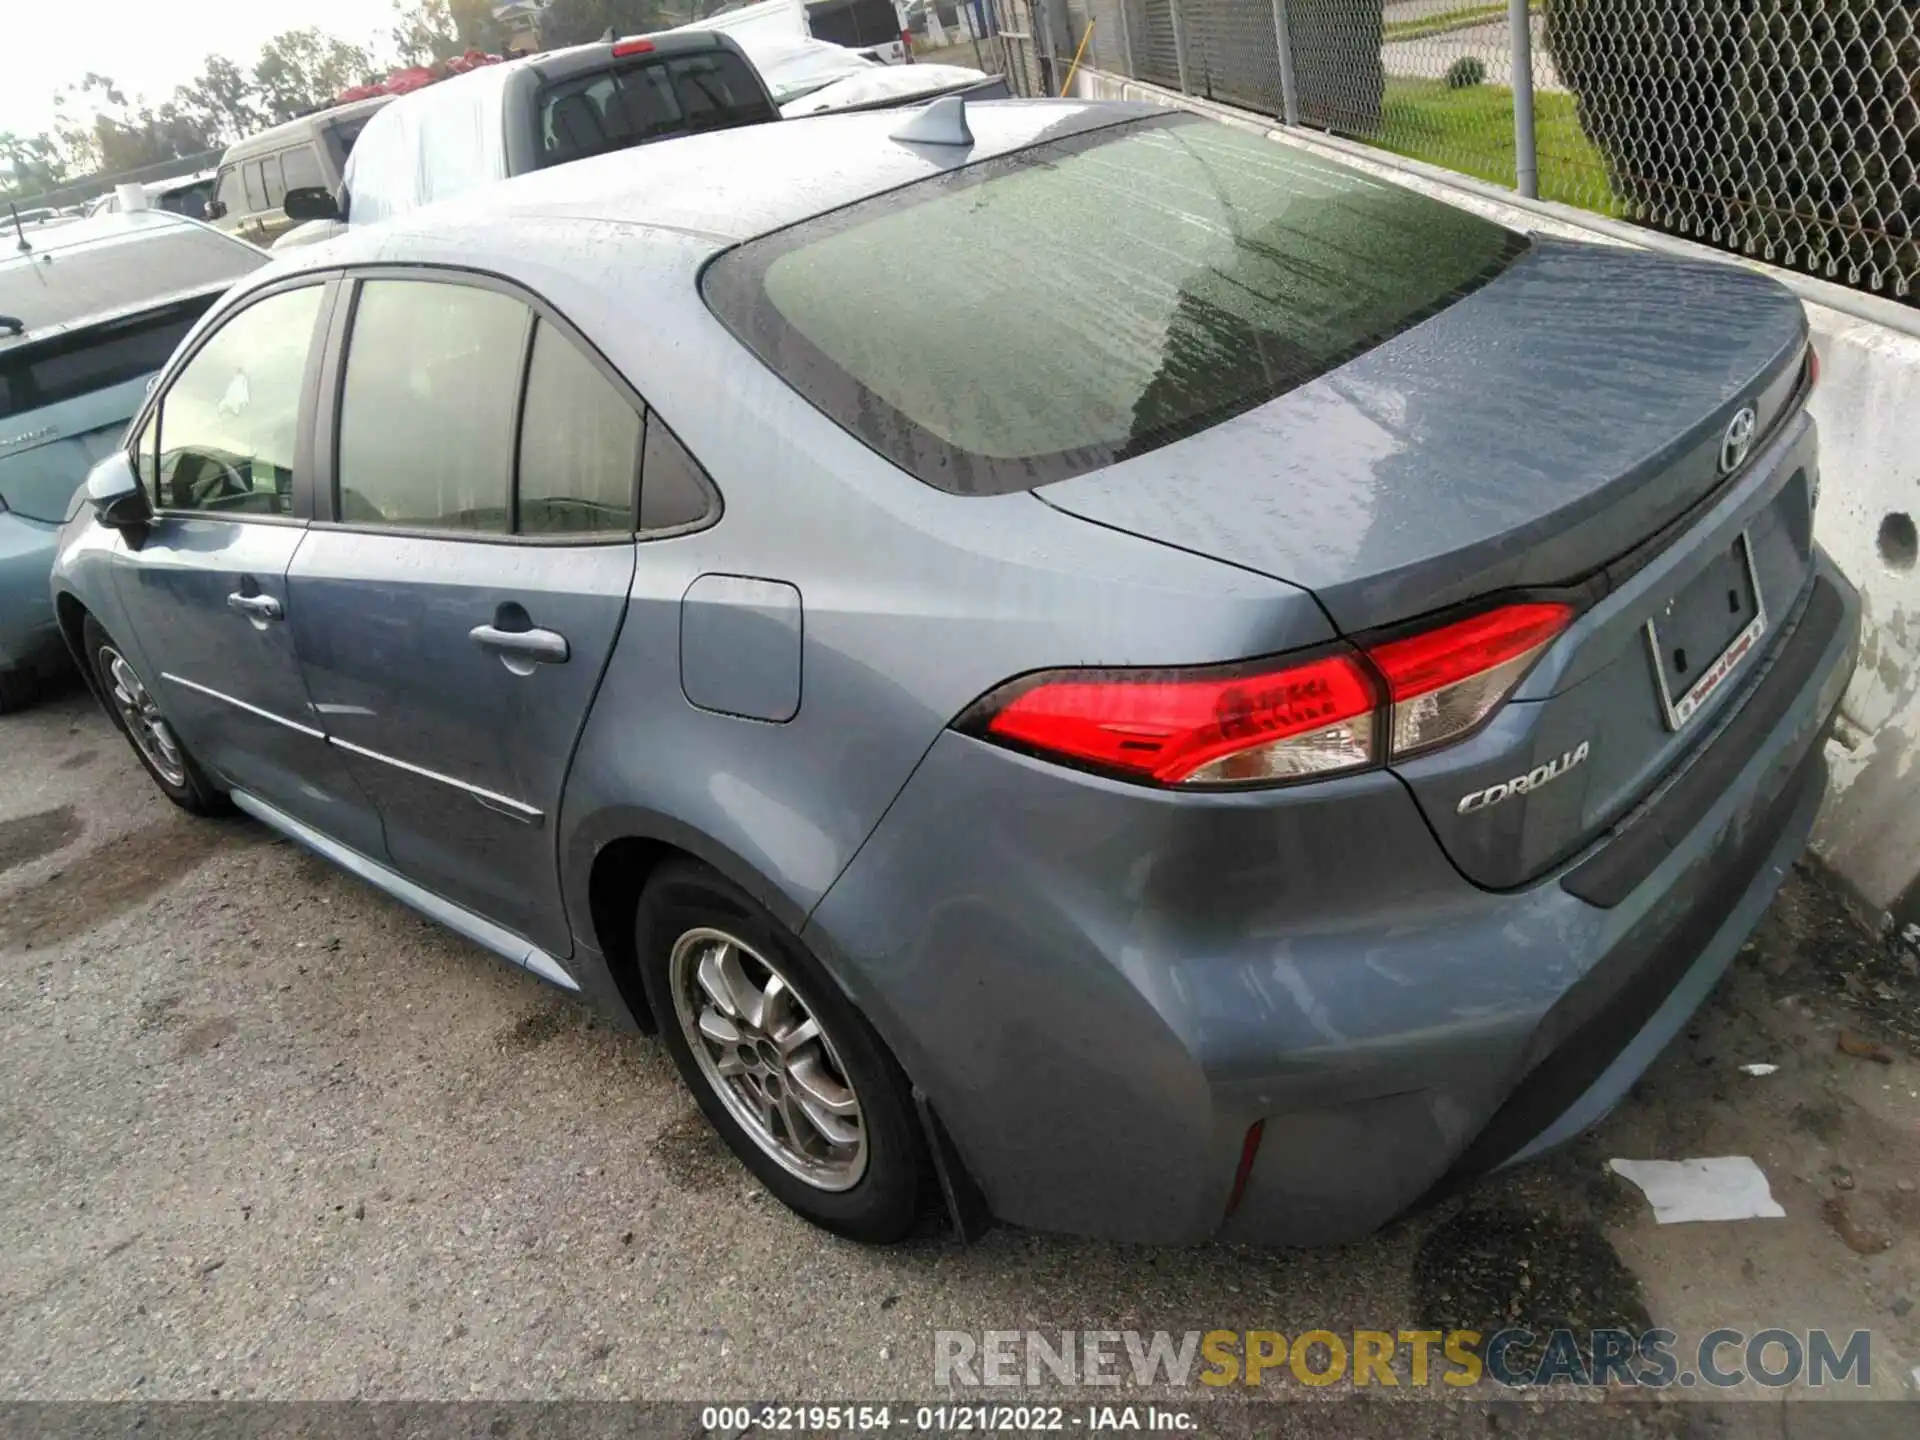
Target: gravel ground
{"points": [[267, 1134]]}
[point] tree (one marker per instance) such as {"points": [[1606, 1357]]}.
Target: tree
{"points": [[119, 133], [30, 164], [579, 22], [223, 99], [430, 30], [302, 70]]}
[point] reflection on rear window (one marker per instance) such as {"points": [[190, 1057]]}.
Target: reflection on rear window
{"points": [[1052, 311], [612, 109], [83, 361]]}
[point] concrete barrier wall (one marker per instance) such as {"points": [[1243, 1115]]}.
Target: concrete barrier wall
{"points": [[1868, 409]]}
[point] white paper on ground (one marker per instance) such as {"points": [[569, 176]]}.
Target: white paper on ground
{"points": [[1725, 1187], [1758, 1070]]}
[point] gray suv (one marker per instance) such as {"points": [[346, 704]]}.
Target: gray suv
{"points": [[1256, 699]]}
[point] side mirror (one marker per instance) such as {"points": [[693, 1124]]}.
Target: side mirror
{"points": [[311, 202], [216, 209], [113, 490]]}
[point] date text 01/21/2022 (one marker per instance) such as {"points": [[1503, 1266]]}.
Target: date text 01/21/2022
{"points": [[943, 1419]]}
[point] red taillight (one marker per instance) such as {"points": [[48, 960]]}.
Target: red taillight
{"points": [[1444, 682], [1228, 727], [1267, 722], [636, 46]]}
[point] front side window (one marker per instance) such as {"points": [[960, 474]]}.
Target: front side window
{"points": [[300, 168], [427, 408], [229, 423], [231, 191], [1101, 295], [579, 445]]}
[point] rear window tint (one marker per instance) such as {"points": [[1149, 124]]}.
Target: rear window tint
{"points": [[1065, 307], [81, 362], [612, 109], [59, 286], [854, 23]]}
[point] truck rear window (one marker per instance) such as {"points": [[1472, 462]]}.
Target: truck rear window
{"points": [[646, 100], [1067, 306]]}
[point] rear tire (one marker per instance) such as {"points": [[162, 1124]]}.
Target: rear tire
{"points": [[137, 712], [781, 1063]]}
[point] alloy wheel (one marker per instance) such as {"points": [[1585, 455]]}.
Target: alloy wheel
{"points": [[768, 1058], [145, 724]]}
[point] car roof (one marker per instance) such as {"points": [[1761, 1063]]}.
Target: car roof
{"points": [[730, 185], [92, 230], [105, 233], [300, 127]]}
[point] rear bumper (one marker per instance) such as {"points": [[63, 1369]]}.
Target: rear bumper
{"points": [[1102, 987], [29, 638]]}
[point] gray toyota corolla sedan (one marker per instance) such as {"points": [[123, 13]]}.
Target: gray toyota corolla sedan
{"points": [[1063, 655]]}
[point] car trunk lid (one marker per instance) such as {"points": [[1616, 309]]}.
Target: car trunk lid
{"points": [[1567, 428]]}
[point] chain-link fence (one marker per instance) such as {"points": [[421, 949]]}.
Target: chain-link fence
{"points": [[1788, 130]]}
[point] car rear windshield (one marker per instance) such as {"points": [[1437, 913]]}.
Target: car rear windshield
{"points": [[854, 23], [79, 362], [646, 100], [1070, 305], [57, 286]]}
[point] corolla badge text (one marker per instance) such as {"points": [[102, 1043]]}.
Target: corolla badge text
{"points": [[1523, 784]]}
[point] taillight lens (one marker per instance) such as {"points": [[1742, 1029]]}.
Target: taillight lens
{"points": [[1234, 727], [1279, 720], [1444, 682]]}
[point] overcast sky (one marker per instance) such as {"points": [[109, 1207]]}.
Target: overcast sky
{"points": [[149, 46]]}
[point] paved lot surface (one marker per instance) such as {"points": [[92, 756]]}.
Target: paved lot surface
{"points": [[266, 1134]]}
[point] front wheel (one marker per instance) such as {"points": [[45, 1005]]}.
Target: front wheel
{"points": [[139, 717], [794, 1079]]}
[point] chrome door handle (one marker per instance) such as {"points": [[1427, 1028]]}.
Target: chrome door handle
{"points": [[257, 607], [543, 647]]}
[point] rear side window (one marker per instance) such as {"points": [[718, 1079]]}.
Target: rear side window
{"points": [[673, 488], [427, 409], [81, 362], [579, 445], [645, 100], [1099, 296]]}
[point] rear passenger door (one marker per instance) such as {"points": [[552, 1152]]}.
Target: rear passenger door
{"points": [[456, 606]]}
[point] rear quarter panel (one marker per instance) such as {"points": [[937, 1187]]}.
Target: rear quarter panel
{"points": [[914, 603]]}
